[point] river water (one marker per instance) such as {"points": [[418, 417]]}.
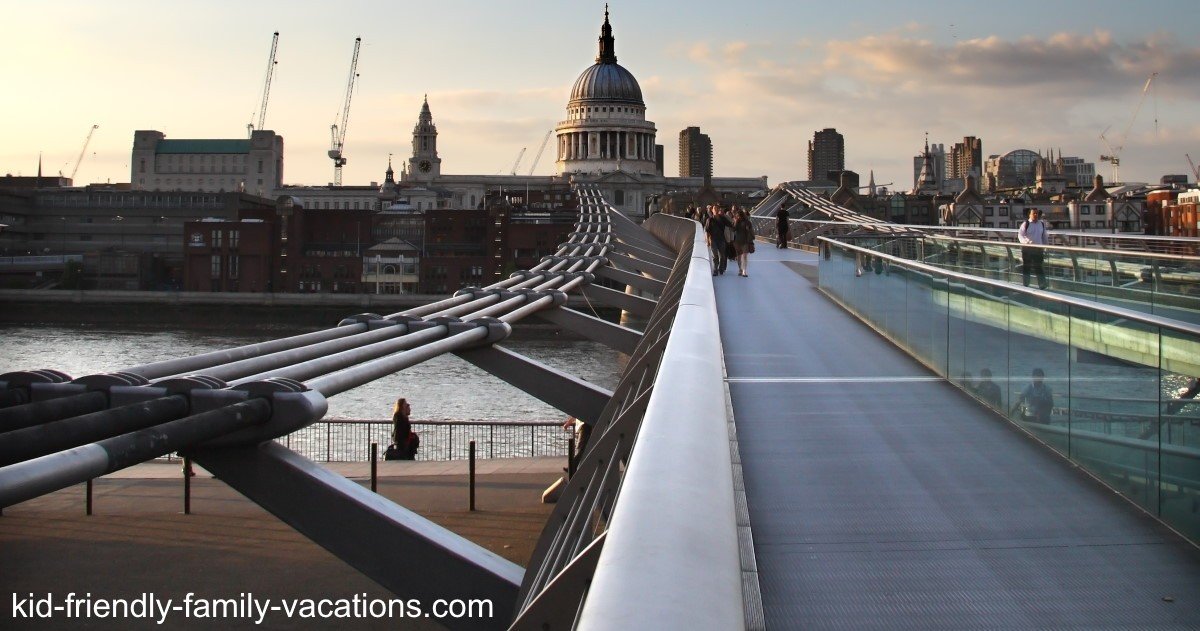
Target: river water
{"points": [[444, 388]]}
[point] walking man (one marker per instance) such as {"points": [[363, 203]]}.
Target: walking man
{"points": [[715, 231]]}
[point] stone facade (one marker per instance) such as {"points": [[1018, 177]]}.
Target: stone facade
{"points": [[253, 165]]}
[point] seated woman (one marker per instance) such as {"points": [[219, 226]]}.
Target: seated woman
{"points": [[404, 441]]}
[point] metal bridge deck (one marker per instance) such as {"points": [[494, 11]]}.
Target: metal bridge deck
{"points": [[882, 497]]}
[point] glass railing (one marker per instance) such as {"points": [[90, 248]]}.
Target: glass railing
{"points": [[1161, 284], [1100, 384]]}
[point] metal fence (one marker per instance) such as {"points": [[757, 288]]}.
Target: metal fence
{"points": [[350, 440]]}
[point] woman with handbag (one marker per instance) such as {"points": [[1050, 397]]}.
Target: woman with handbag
{"points": [[743, 240], [404, 441]]}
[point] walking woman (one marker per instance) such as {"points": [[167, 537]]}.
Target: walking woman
{"points": [[743, 240]]}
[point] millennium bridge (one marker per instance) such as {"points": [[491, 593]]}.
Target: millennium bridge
{"points": [[837, 441]]}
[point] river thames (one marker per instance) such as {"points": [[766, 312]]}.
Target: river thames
{"points": [[443, 388]]}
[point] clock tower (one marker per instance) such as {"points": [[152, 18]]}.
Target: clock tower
{"points": [[424, 165]]}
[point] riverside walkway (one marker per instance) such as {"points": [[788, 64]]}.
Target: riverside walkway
{"points": [[882, 496]]}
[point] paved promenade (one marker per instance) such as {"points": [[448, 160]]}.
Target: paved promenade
{"points": [[882, 497], [139, 541]]}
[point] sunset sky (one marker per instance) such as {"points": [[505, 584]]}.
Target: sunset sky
{"points": [[758, 77]]}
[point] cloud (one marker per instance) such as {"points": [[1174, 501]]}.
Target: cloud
{"points": [[761, 102]]}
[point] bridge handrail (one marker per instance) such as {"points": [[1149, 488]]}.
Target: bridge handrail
{"points": [[1129, 314], [1062, 248], [670, 558]]}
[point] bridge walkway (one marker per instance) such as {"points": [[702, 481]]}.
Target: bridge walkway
{"points": [[881, 496]]}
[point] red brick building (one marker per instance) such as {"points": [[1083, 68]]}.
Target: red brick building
{"points": [[300, 250]]}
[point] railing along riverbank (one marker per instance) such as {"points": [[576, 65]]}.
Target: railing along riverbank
{"points": [[350, 440]]}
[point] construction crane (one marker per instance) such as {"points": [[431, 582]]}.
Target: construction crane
{"points": [[266, 93], [83, 151], [538, 157], [513, 170], [1195, 171], [337, 135], [1114, 153]]}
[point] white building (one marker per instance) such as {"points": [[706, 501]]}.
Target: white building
{"points": [[253, 165]]}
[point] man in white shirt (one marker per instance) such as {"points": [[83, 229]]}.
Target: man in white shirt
{"points": [[1033, 232]]}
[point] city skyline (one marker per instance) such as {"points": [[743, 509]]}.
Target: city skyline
{"points": [[498, 80]]}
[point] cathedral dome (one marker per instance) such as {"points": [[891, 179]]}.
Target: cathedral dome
{"points": [[607, 82]]}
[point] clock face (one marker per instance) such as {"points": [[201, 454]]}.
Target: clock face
{"points": [[425, 166]]}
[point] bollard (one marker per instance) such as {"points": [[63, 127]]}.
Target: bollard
{"points": [[374, 467], [88, 500], [570, 457], [471, 474], [187, 485]]}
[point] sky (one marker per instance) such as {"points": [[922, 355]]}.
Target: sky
{"points": [[758, 77]]}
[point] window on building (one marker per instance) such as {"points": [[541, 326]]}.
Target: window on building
{"points": [[233, 238], [260, 166], [233, 265], [1085, 210], [619, 197], [988, 211], [215, 269], [216, 238]]}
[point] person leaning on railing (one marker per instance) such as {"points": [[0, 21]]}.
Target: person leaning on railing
{"points": [[1037, 398], [1034, 232], [781, 228]]}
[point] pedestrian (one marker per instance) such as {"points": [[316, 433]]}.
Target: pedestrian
{"points": [[987, 389], [1037, 398], [743, 240], [404, 441], [714, 231], [1033, 233], [782, 228]]}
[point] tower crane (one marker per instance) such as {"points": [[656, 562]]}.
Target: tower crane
{"points": [[538, 157], [337, 136], [266, 93], [1195, 171], [513, 170], [83, 151], [1114, 153]]}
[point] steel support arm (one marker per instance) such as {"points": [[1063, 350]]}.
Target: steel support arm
{"points": [[29, 479], [611, 335], [630, 278], [583, 400], [656, 271], [647, 255], [402, 551], [47, 438], [637, 306]]}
